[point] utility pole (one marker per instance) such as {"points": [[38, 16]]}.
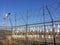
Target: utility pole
{"points": [[15, 25], [44, 26], [6, 18], [27, 23], [52, 24]]}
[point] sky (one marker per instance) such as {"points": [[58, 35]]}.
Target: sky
{"points": [[32, 8]]}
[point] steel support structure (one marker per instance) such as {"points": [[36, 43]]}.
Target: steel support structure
{"points": [[52, 25]]}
